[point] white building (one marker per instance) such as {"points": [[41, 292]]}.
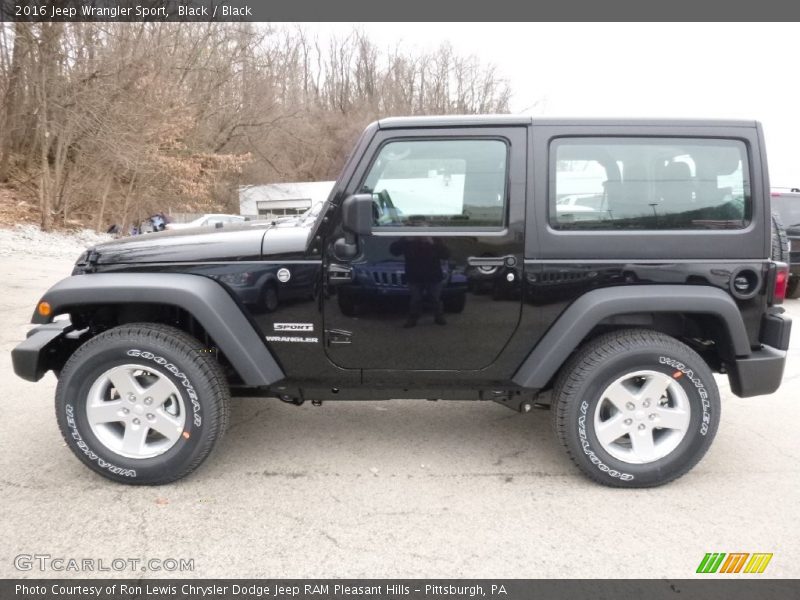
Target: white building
{"points": [[280, 199]]}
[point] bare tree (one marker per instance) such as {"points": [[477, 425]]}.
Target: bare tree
{"points": [[107, 122]]}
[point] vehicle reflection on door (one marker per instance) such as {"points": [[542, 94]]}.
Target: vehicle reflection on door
{"points": [[500, 283], [369, 322], [384, 287], [258, 286]]}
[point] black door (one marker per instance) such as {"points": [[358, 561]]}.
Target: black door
{"points": [[436, 286]]}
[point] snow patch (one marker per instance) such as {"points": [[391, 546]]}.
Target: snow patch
{"points": [[29, 240]]}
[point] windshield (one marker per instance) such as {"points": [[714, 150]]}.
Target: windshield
{"points": [[788, 209]]}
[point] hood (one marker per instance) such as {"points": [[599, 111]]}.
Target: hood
{"points": [[232, 242], [246, 241]]}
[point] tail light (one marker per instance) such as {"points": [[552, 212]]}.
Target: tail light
{"points": [[781, 283]]}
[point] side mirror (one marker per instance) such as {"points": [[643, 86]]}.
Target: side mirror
{"points": [[358, 214], [357, 219]]}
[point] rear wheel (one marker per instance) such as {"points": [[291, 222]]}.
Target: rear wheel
{"points": [[142, 404], [635, 408]]}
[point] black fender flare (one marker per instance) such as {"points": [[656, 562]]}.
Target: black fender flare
{"points": [[202, 297], [575, 323]]}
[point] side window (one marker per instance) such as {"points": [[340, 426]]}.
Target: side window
{"points": [[649, 183], [439, 183]]}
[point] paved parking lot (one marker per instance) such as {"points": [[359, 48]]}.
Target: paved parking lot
{"points": [[391, 489]]}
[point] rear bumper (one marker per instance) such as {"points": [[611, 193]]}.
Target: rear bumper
{"points": [[762, 371], [33, 357]]}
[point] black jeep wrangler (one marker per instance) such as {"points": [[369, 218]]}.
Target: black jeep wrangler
{"points": [[628, 261]]}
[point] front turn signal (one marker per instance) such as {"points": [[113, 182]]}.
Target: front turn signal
{"points": [[44, 309]]}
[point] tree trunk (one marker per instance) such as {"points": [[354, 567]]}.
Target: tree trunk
{"points": [[126, 204], [9, 124], [106, 189], [50, 35], [44, 150]]}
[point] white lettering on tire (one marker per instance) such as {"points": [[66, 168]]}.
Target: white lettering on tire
{"points": [[163, 362], [698, 384], [103, 464], [587, 448]]}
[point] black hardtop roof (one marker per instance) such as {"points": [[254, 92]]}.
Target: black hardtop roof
{"points": [[524, 120]]}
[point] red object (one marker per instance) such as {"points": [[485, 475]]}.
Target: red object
{"points": [[781, 281]]}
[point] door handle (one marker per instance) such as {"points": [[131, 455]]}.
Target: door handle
{"points": [[338, 274], [492, 261]]}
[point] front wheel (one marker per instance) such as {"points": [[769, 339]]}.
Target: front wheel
{"points": [[142, 404], [636, 408]]}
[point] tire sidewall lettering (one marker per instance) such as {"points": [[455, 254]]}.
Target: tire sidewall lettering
{"points": [[87, 451], [197, 417], [590, 453], [700, 387], [165, 351], [701, 398], [92, 451]]}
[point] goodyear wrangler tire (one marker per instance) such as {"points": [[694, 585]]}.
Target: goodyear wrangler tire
{"points": [[635, 408], [142, 404]]}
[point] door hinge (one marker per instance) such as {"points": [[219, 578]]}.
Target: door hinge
{"points": [[338, 336]]}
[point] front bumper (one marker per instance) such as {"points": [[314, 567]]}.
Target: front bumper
{"points": [[36, 355], [762, 371]]}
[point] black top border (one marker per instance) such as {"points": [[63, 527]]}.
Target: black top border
{"points": [[408, 10]]}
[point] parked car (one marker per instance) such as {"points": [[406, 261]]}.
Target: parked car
{"points": [[208, 221], [787, 206], [617, 320]]}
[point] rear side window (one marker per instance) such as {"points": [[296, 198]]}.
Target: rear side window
{"points": [[649, 183]]}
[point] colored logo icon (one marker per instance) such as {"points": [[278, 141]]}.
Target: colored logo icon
{"points": [[735, 562]]}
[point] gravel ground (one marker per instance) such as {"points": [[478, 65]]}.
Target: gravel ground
{"points": [[20, 240], [373, 489]]}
